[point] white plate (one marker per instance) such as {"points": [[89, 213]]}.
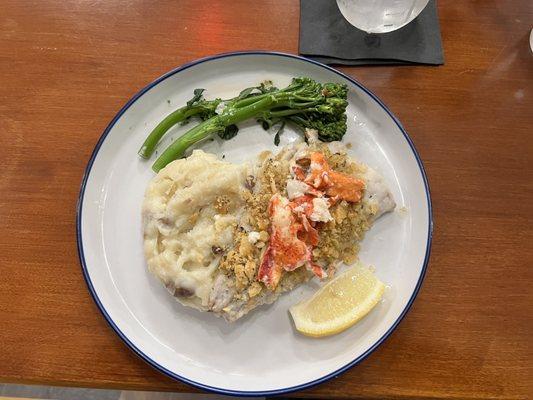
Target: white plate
{"points": [[261, 353]]}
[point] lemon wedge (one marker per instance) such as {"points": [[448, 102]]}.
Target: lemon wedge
{"points": [[339, 304]]}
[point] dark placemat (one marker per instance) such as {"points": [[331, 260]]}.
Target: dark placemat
{"points": [[326, 36]]}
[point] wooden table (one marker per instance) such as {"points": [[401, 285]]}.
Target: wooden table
{"points": [[66, 67]]}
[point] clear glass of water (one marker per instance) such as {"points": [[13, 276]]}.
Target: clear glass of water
{"points": [[380, 16]]}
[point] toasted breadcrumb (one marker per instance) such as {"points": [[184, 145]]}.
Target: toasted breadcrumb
{"points": [[193, 218], [222, 204], [240, 263], [254, 289]]}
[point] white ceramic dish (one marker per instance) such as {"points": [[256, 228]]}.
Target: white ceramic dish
{"points": [[262, 353]]}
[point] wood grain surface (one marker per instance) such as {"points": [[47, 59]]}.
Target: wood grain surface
{"points": [[66, 68]]}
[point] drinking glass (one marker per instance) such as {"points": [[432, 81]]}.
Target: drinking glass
{"points": [[380, 16]]}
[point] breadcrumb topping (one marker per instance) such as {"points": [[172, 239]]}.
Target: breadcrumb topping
{"points": [[338, 237]]}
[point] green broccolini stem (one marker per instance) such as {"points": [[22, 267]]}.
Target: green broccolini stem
{"points": [[286, 113], [247, 101], [159, 131], [178, 147], [181, 114], [209, 127]]}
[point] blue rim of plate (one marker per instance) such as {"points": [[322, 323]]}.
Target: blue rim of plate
{"points": [[213, 389]]}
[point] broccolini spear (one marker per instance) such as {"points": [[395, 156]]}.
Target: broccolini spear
{"points": [[304, 98]]}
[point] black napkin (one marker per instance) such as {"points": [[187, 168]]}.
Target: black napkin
{"points": [[326, 36]]}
